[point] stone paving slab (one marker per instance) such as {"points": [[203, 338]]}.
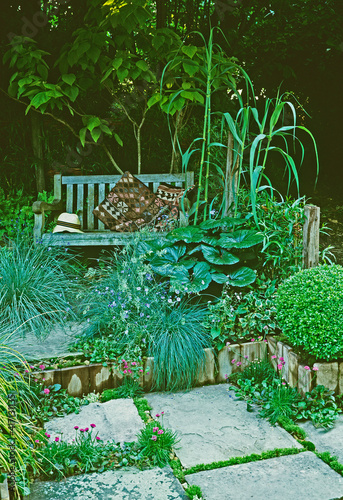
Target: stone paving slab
{"points": [[288, 478], [132, 484], [214, 426], [326, 440], [116, 420]]}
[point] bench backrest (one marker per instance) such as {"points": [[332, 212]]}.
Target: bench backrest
{"points": [[85, 192]]}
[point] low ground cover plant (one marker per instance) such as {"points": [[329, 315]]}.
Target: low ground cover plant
{"points": [[241, 315], [310, 311], [259, 384]]}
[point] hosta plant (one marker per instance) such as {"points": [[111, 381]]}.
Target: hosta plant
{"points": [[214, 251]]}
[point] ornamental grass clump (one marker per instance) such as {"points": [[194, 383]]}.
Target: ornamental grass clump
{"points": [[310, 310], [35, 287]]}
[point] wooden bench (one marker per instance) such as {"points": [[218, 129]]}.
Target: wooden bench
{"points": [[82, 194]]}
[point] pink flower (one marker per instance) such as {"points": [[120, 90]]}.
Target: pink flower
{"points": [[133, 363], [32, 367], [47, 435], [42, 367], [86, 429], [158, 415], [125, 372], [315, 368], [246, 357], [97, 438], [252, 340], [307, 368], [93, 425], [26, 371], [37, 441], [265, 340], [226, 376], [162, 412], [233, 361], [239, 363], [76, 427], [46, 391], [273, 357], [161, 431], [130, 371], [155, 429], [82, 430], [140, 371], [57, 439], [282, 359], [154, 438], [283, 383], [280, 366]]}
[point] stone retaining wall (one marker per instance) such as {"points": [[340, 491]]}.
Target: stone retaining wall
{"points": [[81, 380]]}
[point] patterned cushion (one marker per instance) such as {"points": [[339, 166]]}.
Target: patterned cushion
{"points": [[171, 196], [129, 206]]}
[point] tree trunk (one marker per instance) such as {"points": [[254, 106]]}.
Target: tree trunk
{"points": [[161, 14], [176, 155], [231, 177], [37, 146]]}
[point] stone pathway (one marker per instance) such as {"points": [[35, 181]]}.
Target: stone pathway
{"points": [[213, 426]]}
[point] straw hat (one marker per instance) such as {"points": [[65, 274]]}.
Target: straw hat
{"points": [[69, 223]]}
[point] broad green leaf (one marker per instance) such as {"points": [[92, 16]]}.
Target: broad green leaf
{"points": [[142, 65], [105, 129], [242, 238], [154, 99], [220, 278], [169, 255], [201, 277], [94, 53], [40, 98], [122, 74], [69, 79], [117, 62], [187, 95], [107, 74], [228, 222], [42, 71], [23, 81], [186, 85], [189, 50], [93, 122], [118, 139], [190, 68], [71, 92], [82, 134], [189, 234], [96, 133], [214, 256], [158, 41], [244, 276]]}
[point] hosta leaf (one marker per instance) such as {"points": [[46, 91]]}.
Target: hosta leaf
{"points": [[242, 277], [226, 221], [189, 234], [220, 278], [169, 255], [242, 238], [215, 256], [201, 277], [211, 240]]}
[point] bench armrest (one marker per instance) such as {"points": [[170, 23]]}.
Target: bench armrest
{"points": [[39, 208]]}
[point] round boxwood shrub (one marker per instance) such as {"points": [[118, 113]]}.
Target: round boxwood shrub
{"points": [[310, 310]]}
